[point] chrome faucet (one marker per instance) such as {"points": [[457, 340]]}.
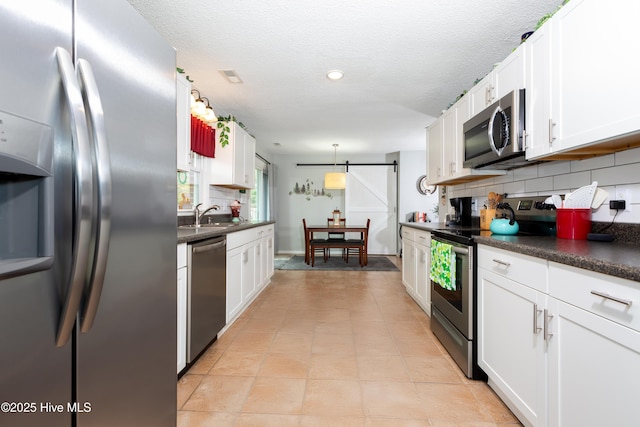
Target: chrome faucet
{"points": [[199, 214]]}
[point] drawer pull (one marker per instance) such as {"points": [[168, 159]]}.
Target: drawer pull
{"points": [[612, 298], [547, 317], [506, 264], [536, 329]]}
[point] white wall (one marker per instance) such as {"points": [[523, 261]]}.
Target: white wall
{"points": [[618, 174], [291, 208], [413, 164]]}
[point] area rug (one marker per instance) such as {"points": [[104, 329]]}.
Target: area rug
{"points": [[296, 262]]}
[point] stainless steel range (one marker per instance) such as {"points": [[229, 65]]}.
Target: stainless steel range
{"points": [[453, 307]]}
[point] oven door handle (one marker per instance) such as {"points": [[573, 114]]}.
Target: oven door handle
{"points": [[457, 249], [461, 251]]}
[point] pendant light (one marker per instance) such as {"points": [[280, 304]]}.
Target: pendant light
{"points": [[335, 180]]}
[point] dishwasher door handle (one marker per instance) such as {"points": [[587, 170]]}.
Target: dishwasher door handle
{"points": [[207, 248]]}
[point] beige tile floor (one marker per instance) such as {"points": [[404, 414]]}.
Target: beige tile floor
{"points": [[329, 348]]}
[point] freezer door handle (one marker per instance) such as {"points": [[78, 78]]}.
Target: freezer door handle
{"points": [[102, 166], [83, 196]]}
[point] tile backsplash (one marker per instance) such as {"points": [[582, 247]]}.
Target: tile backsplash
{"points": [[618, 174], [223, 197]]}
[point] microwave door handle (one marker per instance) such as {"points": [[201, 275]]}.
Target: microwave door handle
{"points": [[104, 190], [83, 195], [492, 141]]}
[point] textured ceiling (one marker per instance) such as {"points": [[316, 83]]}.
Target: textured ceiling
{"points": [[404, 62]]}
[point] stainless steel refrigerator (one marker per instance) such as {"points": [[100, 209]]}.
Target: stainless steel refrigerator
{"points": [[87, 216]]}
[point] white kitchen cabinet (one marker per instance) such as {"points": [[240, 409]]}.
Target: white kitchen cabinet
{"points": [[511, 340], [594, 354], [234, 164], [269, 237], [248, 271], [234, 283], [480, 95], [416, 259], [186, 159], [446, 148], [264, 271], [249, 267], [182, 306], [434, 151], [408, 258], [561, 345], [507, 76], [183, 113], [538, 93], [422, 262], [510, 351], [593, 77]]}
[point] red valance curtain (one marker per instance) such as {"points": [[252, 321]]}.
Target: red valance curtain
{"points": [[203, 138]]}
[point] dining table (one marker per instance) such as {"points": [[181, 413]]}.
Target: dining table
{"points": [[340, 228]]}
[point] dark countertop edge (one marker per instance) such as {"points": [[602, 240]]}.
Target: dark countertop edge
{"points": [[610, 258], [191, 235], [613, 259]]}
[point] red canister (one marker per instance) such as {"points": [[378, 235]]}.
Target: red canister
{"points": [[573, 224]]}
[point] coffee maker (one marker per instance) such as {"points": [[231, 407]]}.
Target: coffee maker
{"points": [[462, 211]]}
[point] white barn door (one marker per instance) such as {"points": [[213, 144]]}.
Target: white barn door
{"points": [[372, 193]]}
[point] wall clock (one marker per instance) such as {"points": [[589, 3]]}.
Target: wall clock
{"points": [[423, 187]]}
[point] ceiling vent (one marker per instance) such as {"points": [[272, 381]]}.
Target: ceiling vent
{"points": [[232, 76]]}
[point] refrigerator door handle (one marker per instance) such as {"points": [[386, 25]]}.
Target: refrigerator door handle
{"points": [[83, 196], [103, 171]]}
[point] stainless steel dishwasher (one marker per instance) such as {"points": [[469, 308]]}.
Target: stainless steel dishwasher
{"points": [[206, 293]]}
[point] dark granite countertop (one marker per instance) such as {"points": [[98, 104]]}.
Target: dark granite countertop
{"points": [[190, 235], [612, 258]]}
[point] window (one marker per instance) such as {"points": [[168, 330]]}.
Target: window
{"points": [[188, 190], [259, 196]]}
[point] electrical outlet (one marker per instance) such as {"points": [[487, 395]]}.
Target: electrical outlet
{"points": [[623, 196]]}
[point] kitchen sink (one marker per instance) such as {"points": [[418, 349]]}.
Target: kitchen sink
{"points": [[211, 225]]}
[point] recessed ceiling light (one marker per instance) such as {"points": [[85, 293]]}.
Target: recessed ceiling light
{"points": [[335, 75]]}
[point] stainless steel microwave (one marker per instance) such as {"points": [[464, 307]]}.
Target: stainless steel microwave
{"points": [[494, 138]]}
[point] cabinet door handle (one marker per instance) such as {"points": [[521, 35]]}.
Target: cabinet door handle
{"points": [[506, 264], [612, 298], [552, 137], [547, 317], [536, 329]]}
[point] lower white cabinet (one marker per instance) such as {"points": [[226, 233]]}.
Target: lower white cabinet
{"points": [[182, 306], [566, 356], [511, 347], [594, 353], [416, 261], [249, 267]]}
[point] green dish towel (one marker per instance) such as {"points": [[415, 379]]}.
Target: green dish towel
{"points": [[443, 265]]}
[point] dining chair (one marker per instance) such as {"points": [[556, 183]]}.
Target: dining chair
{"points": [[312, 245], [359, 245], [337, 236]]}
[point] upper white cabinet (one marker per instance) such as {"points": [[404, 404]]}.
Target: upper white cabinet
{"points": [[507, 76], [538, 93], [589, 101], [183, 113], [234, 164], [434, 151], [445, 141], [445, 148], [186, 159]]}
